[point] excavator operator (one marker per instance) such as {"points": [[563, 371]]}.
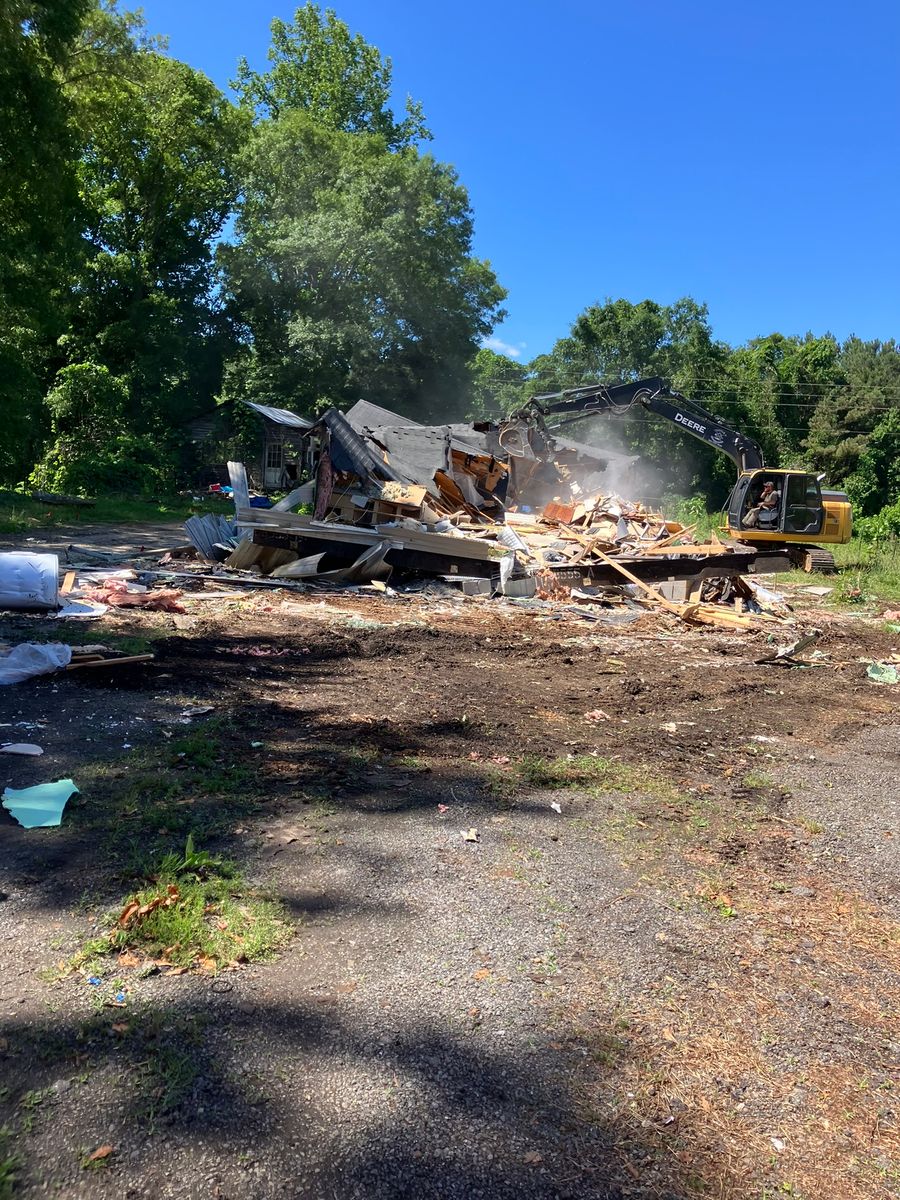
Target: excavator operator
{"points": [[765, 512]]}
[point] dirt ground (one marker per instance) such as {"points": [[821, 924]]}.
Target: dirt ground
{"points": [[667, 967]]}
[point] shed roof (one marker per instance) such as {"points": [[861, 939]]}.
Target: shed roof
{"points": [[279, 416]]}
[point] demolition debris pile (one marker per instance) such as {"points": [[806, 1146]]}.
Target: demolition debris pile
{"points": [[391, 497]]}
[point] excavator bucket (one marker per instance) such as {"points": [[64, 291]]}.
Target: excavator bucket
{"points": [[516, 438]]}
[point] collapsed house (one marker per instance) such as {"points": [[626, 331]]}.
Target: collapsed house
{"points": [[462, 468], [470, 502]]}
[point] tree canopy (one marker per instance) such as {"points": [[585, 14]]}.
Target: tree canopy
{"points": [[352, 271], [343, 83]]}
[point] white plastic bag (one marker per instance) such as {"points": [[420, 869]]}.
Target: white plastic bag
{"points": [[30, 659]]}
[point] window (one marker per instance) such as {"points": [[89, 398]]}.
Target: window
{"points": [[274, 455], [803, 513]]}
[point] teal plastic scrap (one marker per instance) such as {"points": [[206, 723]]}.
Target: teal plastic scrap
{"points": [[40, 806], [880, 672]]}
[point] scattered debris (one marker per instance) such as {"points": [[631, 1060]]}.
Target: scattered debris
{"points": [[470, 835], [86, 609], [596, 715], [118, 593], [25, 748], [209, 534], [99, 1154], [40, 806], [787, 655]]}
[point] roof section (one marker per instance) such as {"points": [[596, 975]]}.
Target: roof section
{"points": [[279, 416], [365, 415], [350, 452], [415, 452]]}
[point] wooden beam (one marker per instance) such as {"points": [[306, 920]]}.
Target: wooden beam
{"points": [[656, 596]]}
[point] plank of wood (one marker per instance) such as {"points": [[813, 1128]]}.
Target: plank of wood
{"points": [[707, 615], [111, 662], [68, 583], [673, 537]]}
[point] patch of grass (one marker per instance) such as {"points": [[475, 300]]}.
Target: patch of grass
{"points": [[867, 571], [10, 1165], [19, 513], [197, 911], [74, 635], [194, 783], [757, 779], [587, 771]]}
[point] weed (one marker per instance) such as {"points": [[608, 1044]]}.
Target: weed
{"points": [[412, 762], [196, 910], [604, 1047], [10, 1165], [714, 895], [171, 1068], [34, 1099], [757, 779], [813, 827]]}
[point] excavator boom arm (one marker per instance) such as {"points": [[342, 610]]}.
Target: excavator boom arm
{"points": [[657, 397]]}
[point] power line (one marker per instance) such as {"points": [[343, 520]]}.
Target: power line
{"points": [[750, 391]]}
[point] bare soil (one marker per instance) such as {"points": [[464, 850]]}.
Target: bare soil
{"points": [[684, 983]]}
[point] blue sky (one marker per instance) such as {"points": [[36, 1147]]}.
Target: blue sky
{"points": [[744, 154]]}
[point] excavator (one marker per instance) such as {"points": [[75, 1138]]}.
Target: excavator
{"points": [[796, 527]]}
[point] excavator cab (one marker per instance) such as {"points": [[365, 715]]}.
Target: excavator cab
{"points": [[803, 511]]}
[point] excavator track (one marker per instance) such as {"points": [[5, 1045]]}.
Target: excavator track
{"points": [[813, 559]]}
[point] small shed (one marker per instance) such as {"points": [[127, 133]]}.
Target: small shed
{"points": [[285, 458]]}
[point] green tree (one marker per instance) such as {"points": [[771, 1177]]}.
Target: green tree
{"points": [[498, 384], [38, 210], [93, 451], [852, 430], [353, 272], [778, 382], [319, 67], [157, 183]]}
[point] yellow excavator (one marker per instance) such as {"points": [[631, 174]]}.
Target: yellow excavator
{"points": [[799, 519]]}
